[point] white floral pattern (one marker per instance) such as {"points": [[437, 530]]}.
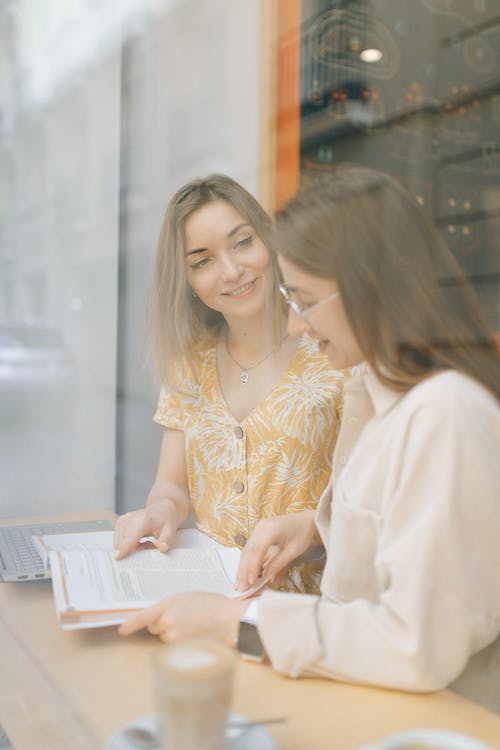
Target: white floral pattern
{"points": [[283, 460]]}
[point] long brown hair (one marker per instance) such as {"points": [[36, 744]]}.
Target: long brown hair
{"points": [[178, 318], [409, 305]]}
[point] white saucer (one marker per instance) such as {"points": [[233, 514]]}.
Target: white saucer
{"points": [[255, 738]]}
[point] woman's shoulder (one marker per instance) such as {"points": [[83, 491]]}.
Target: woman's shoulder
{"points": [[192, 373], [456, 398], [452, 386]]}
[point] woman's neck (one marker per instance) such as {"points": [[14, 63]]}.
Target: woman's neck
{"points": [[252, 335]]}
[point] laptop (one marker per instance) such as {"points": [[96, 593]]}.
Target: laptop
{"points": [[19, 560]]}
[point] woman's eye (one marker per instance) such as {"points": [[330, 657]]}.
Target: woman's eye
{"points": [[199, 264], [244, 242]]}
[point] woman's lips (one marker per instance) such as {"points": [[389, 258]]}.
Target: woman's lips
{"points": [[240, 291]]}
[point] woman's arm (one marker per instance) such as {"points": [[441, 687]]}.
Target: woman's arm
{"points": [[409, 592], [168, 503]]}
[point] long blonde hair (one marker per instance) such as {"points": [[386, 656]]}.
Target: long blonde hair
{"points": [[411, 308], [178, 318]]}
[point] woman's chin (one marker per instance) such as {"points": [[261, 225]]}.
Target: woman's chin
{"points": [[335, 358]]}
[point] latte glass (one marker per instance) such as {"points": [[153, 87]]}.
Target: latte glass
{"points": [[193, 688]]}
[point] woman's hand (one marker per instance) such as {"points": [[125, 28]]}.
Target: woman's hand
{"points": [[190, 615], [273, 545], [158, 519]]}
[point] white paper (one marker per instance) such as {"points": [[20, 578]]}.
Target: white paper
{"points": [[90, 585], [71, 540]]}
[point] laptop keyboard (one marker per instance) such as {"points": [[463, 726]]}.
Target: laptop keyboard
{"points": [[19, 559], [20, 549]]}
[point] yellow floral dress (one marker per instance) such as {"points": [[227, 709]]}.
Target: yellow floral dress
{"points": [[277, 460]]}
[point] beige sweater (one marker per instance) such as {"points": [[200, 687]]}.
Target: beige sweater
{"points": [[411, 588]]}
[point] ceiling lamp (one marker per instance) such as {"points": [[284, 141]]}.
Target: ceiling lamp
{"points": [[371, 55]]}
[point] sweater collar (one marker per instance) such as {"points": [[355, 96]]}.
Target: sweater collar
{"points": [[382, 396]]}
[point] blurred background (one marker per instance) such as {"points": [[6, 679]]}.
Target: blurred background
{"points": [[107, 108]]}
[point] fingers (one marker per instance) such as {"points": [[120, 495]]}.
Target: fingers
{"points": [[270, 554], [274, 544], [256, 551], [166, 538], [125, 547], [277, 582], [249, 568], [126, 544], [132, 527], [278, 565], [128, 532], [146, 618]]}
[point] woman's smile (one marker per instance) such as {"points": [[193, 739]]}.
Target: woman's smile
{"points": [[242, 290]]}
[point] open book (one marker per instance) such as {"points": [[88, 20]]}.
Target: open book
{"points": [[92, 589]]}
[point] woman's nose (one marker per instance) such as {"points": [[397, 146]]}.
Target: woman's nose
{"points": [[231, 268]]}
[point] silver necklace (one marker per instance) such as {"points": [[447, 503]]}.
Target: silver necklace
{"points": [[244, 376]]}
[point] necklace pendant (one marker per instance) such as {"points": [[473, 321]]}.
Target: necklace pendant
{"points": [[244, 376]]}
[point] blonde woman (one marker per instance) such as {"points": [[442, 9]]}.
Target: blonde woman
{"points": [[250, 415]]}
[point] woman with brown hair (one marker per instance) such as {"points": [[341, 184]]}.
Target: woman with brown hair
{"points": [[250, 415], [410, 594]]}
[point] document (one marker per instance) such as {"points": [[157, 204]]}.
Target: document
{"points": [[92, 589]]}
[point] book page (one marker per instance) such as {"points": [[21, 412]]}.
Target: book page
{"points": [[71, 540], [91, 588], [93, 579], [103, 540]]}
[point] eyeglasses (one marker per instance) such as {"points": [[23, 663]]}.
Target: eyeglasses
{"points": [[303, 310]]}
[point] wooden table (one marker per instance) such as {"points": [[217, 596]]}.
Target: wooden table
{"points": [[72, 690]]}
